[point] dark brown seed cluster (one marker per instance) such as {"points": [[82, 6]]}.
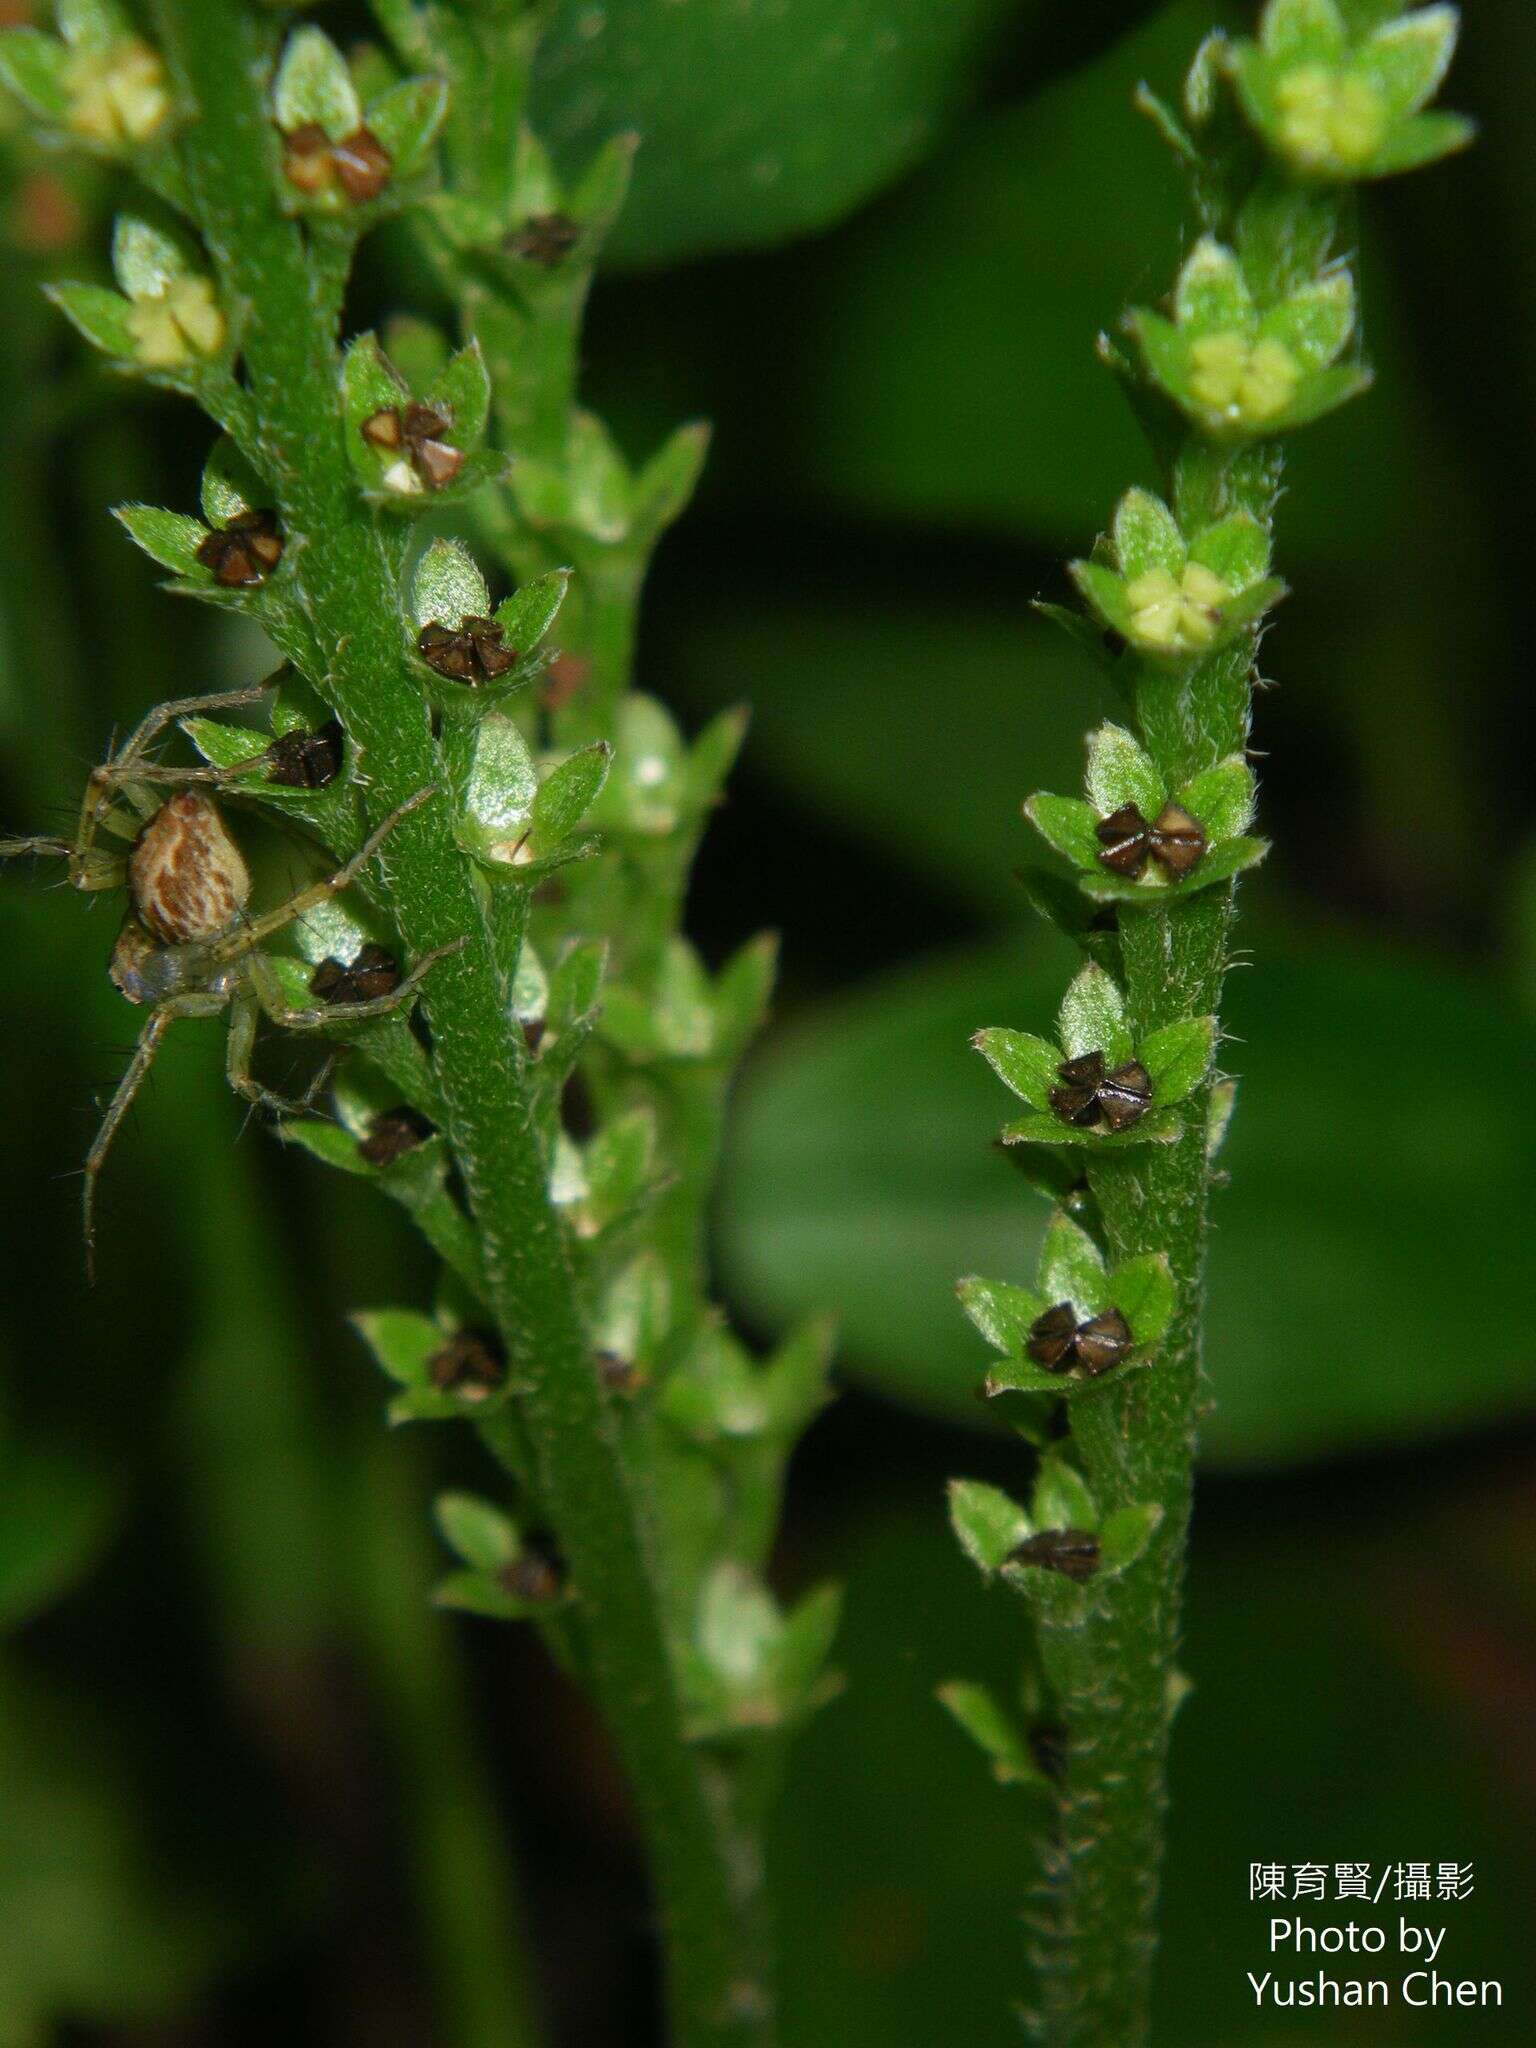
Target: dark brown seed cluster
{"points": [[1072, 1552], [1089, 1095], [314, 165], [244, 552], [472, 1365], [545, 239], [393, 1133], [372, 974], [616, 1375], [306, 760], [1058, 1342], [534, 1575], [1174, 840], [416, 432], [474, 652]]}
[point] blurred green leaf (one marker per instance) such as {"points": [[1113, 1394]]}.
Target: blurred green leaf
{"points": [[1373, 1168], [759, 119], [54, 1516]]}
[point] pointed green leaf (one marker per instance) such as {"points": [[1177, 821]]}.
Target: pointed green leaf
{"points": [[1302, 31], [1142, 1290], [567, 793], [795, 1382], [33, 65], [314, 84], [1026, 1064], [100, 315], [1315, 323], [1104, 591], [1071, 1267], [527, 615], [799, 1659], [1423, 139], [1146, 536], [1068, 824], [146, 258], [988, 1523], [1124, 1536], [1157, 1127], [170, 538], [1322, 393], [1406, 60], [668, 480], [1121, 771], [1178, 1057], [995, 1732], [402, 1341], [462, 390], [406, 120], [1003, 1313], [739, 1626], [1211, 295], [1222, 799], [1062, 1499], [1236, 549], [471, 1592], [477, 1531], [448, 587], [1093, 1017]]}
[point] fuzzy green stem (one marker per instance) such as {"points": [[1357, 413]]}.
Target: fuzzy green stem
{"points": [[707, 1865]]}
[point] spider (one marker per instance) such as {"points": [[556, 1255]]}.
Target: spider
{"points": [[187, 948]]}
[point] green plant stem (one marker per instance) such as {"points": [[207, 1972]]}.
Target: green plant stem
{"points": [[707, 1866], [1112, 1668]]}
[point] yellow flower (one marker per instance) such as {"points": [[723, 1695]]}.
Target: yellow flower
{"points": [[1176, 615], [1244, 382], [184, 320], [1329, 121], [117, 96]]}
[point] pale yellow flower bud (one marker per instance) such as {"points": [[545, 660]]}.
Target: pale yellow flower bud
{"points": [[117, 96]]}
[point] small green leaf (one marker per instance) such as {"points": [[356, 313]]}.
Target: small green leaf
{"points": [[1323, 393], [663, 487], [1062, 1499], [1227, 858], [1022, 1062], [1222, 799], [1068, 824], [225, 746], [1424, 139], [146, 258], [1147, 536], [230, 486], [1092, 1017], [100, 315], [1157, 1127], [739, 1626], [92, 24], [1406, 60], [1104, 591], [1178, 1057], [1124, 1535], [447, 588], [470, 1592], [1302, 31], [499, 793], [1003, 1313], [34, 65], [995, 1732], [567, 793], [406, 120], [314, 84], [462, 389], [1315, 323], [987, 1521], [1211, 294], [798, 1671], [795, 1382], [402, 1340], [1121, 771], [478, 1532], [1142, 1289], [527, 615], [1235, 548], [169, 538], [1072, 1268]]}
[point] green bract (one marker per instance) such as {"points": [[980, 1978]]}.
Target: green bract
{"points": [[1336, 106], [1072, 1270], [1122, 773], [1175, 599], [1177, 1058], [1242, 371], [98, 79]]}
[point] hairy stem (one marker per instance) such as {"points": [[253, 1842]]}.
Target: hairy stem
{"points": [[707, 1871]]}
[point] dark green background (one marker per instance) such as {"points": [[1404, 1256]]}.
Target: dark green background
{"points": [[224, 1708]]}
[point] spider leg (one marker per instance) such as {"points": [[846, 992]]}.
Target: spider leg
{"points": [[353, 1013], [254, 930], [244, 1014], [53, 849], [125, 759], [126, 767], [160, 1019]]}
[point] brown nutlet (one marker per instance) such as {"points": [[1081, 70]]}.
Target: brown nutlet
{"points": [[244, 551], [306, 760], [1072, 1552], [393, 1133], [372, 974], [472, 1365]]}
